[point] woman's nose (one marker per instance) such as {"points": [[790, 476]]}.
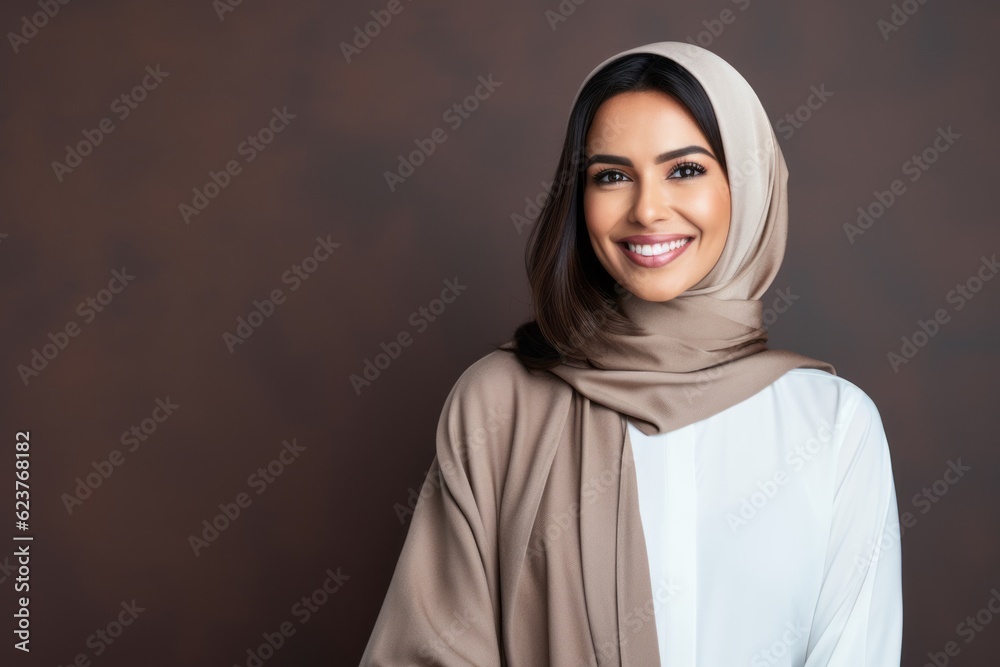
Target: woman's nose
{"points": [[652, 203]]}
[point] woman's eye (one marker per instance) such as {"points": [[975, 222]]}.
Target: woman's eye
{"points": [[609, 176], [687, 170], [681, 171]]}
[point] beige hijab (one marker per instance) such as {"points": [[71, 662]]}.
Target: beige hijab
{"points": [[527, 547], [706, 350]]}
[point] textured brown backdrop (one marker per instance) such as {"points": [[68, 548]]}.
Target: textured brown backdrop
{"points": [[334, 507]]}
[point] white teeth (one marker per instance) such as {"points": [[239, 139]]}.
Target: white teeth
{"points": [[656, 248]]}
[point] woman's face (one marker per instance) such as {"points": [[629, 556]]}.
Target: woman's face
{"points": [[656, 200]]}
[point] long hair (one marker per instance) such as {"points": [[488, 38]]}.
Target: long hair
{"points": [[574, 299]]}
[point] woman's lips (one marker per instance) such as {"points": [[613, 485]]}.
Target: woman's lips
{"points": [[653, 261]]}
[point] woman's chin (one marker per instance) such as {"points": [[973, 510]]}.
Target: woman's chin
{"points": [[654, 292]]}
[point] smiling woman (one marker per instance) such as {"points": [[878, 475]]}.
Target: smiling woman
{"points": [[647, 209], [647, 498]]}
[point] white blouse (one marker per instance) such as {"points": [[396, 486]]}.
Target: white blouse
{"points": [[772, 531]]}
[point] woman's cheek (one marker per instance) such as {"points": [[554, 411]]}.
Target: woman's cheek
{"points": [[598, 215], [706, 210]]}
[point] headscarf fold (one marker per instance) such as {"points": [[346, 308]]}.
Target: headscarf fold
{"points": [[706, 349], [701, 353], [529, 547]]}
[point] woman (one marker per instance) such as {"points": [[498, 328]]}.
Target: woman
{"points": [[636, 478]]}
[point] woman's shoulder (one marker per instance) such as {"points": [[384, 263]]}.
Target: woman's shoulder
{"points": [[834, 392], [835, 411], [500, 375], [482, 421]]}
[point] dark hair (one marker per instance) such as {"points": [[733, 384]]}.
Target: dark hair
{"points": [[574, 299]]}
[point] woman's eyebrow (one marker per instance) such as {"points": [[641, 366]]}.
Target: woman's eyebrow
{"points": [[661, 158]]}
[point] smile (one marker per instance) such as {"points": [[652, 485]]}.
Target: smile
{"points": [[656, 254]]}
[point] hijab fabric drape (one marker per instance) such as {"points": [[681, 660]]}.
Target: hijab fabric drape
{"points": [[703, 351], [706, 349], [528, 546]]}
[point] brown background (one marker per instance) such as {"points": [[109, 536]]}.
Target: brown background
{"points": [[323, 175]]}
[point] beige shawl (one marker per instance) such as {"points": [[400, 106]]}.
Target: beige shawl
{"points": [[526, 545]]}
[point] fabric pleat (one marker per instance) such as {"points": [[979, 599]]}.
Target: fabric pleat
{"points": [[700, 353], [528, 547]]}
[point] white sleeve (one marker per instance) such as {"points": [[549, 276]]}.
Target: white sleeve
{"points": [[858, 620]]}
